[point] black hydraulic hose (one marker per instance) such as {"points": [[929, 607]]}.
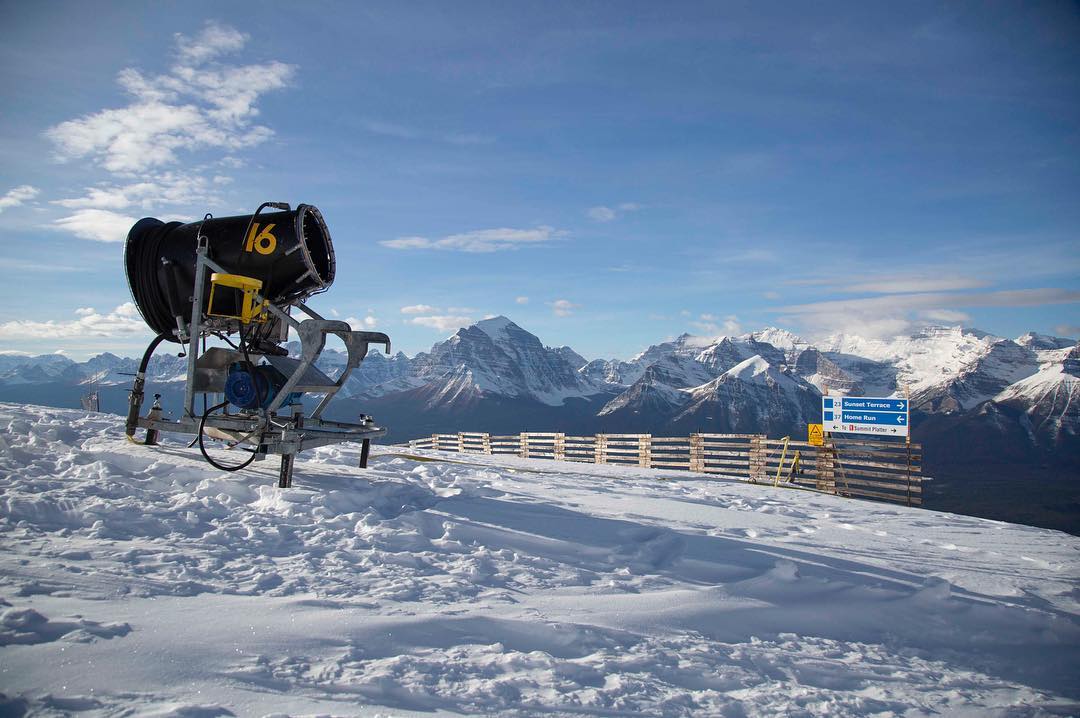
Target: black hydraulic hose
{"points": [[135, 401], [202, 447], [150, 352]]}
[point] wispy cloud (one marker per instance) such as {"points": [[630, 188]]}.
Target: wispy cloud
{"points": [[403, 132], [124, 320], [714, 326], [1067, 330], [521, 300], [23, 265], [442, 322], [167, 188], [563, 307], [99, 225], [195, 105], [481, 240], [361, 323], [874, 283], [419, 309], [200, 103], [602, 213], [17, 196], [896, 313]]}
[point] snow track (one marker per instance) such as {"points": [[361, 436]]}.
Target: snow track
{"points": [[140, 580]]}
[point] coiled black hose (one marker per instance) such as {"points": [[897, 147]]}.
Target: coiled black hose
{"points": [[202, 447]]}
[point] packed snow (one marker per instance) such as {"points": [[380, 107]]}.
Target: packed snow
{"points": [[139, 580]]}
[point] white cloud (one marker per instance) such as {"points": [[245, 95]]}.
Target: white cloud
{"points": [[607, 214], [214, 40], [402, 132], [715, 326], [563, 307], [124, 320], [368, 322], [601, 214], [194, 106], [905, 285], [1067, 330], [419, 309], [99, 225], [443, 323], [17, 196], [408, 243], [22, 265], [521, 300], [481, 240], [167, 188], [946, 316], [889, 315]]}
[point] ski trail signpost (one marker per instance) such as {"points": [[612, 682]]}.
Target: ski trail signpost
{"points": [[865, 415]]}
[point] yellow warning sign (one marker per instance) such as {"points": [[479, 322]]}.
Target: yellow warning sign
{"points": [[815, 435]]}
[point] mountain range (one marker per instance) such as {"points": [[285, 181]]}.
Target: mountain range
{"points": [[1001, 412]]}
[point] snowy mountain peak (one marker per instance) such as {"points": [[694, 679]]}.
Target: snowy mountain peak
{"points": [[498, 328], [749, 369], [779, 338], [1044, 341]]}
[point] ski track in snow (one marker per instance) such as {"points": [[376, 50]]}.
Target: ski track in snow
{"points": [[137, 580]]}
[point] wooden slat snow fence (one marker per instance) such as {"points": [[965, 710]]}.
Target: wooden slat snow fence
{"points": [[861, 468]]}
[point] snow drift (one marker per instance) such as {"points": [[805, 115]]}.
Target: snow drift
{"points": [[141, 580]]}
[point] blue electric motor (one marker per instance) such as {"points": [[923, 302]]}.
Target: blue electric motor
{"points": [[244, 389]]}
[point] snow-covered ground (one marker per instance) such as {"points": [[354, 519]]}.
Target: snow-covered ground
{"points": [[142, 581]]}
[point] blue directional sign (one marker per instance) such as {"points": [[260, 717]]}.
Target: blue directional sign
{"points": [[873, 417], [881, 416], [865, 404]]}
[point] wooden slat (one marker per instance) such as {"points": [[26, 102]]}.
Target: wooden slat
{"points": [[846, 454], [916, 488], [728, 436], [880, 483], [745, 465], [883, 475], [861, 463], [792, 445], [915, 500], [840, 443]]}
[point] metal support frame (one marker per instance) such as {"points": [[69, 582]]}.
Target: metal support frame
{"points": [[276, 434]]}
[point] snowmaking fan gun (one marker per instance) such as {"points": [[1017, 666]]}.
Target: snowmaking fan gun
{"points": [[240, 278]]}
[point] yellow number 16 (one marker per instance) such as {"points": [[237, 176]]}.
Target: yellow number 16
{"points": [[262, 242]]}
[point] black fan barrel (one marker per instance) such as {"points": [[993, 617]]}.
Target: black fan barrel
{"points": [[290, 251]]}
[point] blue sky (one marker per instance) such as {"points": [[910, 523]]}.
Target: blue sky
{"points": [[605, 174]]}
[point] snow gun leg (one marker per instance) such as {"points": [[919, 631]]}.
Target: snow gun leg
{"points": [[288, 458], [285, 475], [365, 449]]}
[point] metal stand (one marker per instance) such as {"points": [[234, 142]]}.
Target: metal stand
{"points": [[365, 448], [285, 475], [207, 372]]}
